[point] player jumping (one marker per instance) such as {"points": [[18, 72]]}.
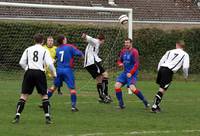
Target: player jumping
{"points": [[92, 64]]}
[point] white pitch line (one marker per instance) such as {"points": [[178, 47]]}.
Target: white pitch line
{"points": [[140, 132]]}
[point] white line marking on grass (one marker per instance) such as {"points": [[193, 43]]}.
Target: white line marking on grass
{"points": [[140, 132]]}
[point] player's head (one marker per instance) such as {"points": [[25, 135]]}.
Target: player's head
{"points": [[50, 41], [128, 43], [61, 39], [39, 38], [101, 38], [180, 44]]}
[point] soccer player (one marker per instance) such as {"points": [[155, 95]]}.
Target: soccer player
{"points": [[171, 62], [52, 50], [93, 66], [65, 57], [32, 61], [129, 59]]}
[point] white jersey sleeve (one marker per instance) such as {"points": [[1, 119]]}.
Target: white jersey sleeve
{"points": [[24, 59], [92, 41], [186, 65]]}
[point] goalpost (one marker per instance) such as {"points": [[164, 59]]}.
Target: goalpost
{"points": [[20, 21]]}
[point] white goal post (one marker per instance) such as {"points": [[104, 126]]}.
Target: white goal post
{"points": [[47, 6]]}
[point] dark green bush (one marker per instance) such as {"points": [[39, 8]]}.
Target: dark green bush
{"points": [[151, 43]]}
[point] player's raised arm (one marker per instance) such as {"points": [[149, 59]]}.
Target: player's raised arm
{"points": [[92, 41], [23, 61], [186, 65]]}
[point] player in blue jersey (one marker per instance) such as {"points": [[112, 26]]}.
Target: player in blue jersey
{"points": [[129, 59], [64, 60]]}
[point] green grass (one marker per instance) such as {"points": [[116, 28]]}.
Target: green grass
{"points": [[180, 112]]}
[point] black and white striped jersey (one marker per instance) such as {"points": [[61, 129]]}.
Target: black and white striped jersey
{"points": [[175, 59], [91, 51]]}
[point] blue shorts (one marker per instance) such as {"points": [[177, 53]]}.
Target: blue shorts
{"points": [[66, 75], [122, 78]]}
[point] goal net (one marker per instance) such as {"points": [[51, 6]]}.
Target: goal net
{"points": [[20, 21]]}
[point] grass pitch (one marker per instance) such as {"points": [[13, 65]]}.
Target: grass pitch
{"points": [[180, 115]]}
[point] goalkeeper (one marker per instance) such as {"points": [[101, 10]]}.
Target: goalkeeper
{"points": [[52, 50]]}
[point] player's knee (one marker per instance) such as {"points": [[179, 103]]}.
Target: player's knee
{"points": [[105, 74], [99, 79], [72, 91], [44, 97], [133, 88], [118, 85], [24, 97]]}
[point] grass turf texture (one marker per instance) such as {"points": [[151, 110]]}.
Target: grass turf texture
{"points": [[180, 113]]}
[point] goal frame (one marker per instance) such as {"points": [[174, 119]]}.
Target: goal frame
{"points": [[127, 11]]}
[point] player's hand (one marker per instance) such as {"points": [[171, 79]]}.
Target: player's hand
{"points": [[128, 75], [83, 35]]}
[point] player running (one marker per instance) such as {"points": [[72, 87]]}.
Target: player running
{"points": [[65, 60], [170, 63], [129, 59], [92, 64]]}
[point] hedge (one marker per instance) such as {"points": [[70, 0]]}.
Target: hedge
{"points": [[151, 43]]}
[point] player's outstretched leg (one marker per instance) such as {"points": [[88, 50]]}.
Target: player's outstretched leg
{"points": [[20, 107], [158, 97], [73, 100], [141, 97], [46, 108]]}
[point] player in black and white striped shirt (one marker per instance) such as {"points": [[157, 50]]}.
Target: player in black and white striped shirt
{"points": [[33, 61], [170, 63], [92, 63]]}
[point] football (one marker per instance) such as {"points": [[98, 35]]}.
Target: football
{"points": [[123, 19]]}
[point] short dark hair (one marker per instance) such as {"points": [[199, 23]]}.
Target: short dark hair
{"points": [[181, 43], [129, 39], [38, 38], [60, 39], [101, 36]]}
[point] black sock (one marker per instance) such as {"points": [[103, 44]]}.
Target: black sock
{"points": [[105, 86], [20, 107], [100, 91], [58, 90], [158, 98], [46, 107]]}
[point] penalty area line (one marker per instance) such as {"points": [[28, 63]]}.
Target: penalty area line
{"points": [[140, 132]]}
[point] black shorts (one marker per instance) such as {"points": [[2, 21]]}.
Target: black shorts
{"points": [[95, 69], [34, 78], [164, 77]]}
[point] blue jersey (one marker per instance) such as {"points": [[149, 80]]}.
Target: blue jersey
{"points": [[65, 61], [65, 55], [130, 60]]}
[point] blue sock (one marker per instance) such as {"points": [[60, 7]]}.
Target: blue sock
{"points": [[73, 100], [139, 94], [119, 96], [49, 94]]}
